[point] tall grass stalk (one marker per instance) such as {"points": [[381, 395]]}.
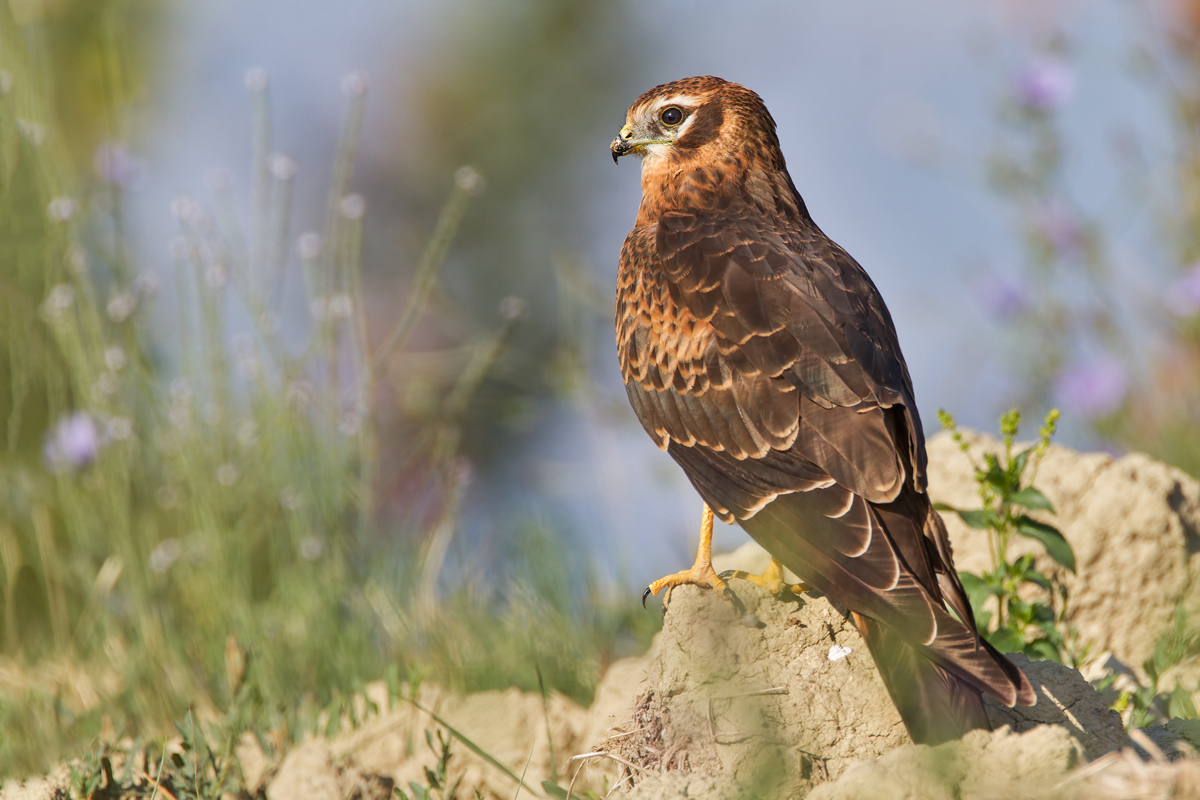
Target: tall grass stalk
{"points": [[159, 502]]}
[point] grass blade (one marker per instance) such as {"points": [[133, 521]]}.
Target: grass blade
{"points": [[474, 748]]}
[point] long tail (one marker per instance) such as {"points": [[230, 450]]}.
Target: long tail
{"points": [[892, 567], [935, 706]]}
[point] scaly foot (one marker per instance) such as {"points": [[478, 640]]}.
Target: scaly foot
{"points": [[771, 579], [701, 574]]}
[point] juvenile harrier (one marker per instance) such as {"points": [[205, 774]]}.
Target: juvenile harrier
{"points": [[760, 355]]}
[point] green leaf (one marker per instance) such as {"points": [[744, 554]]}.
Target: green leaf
{"points": [[1033, 576], [556, 791], [1016, 468], [978, 590], [1006, 640], [980, 519], [1056, 546], [1018, 608], [1180, 704], [1032, 499], [1042, 650], [1042, 615], [996, 476], [1162, 656]]}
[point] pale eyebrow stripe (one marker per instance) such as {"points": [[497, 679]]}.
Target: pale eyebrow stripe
{"points": [[679, 99]]}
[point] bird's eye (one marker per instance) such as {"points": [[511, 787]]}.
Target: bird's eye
{"points": [[671, 116]]}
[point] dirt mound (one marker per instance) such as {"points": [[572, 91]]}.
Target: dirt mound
{"points": [[789, 699], [1132, 521], [790, 692]]}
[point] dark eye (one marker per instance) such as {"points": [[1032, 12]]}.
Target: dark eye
{"points": [[671, 116]]}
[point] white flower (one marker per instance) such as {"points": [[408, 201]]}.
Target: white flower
{"points": [[354, 84], [146, 285], [34, 132], [308, 245], [311, 548], [122, 306], [227, 475], [248, 364], [77, 259], [181, 391], [104, 387], [219, 180], [512, 308], [166, 554], [469, 180], [283, 167], [353, 206], [340, 306], [256, 79], [114, 359], [299, 394], [120, 428], [62, 209], [58, 302], [247, 433], [290, 499], [216, 276]]}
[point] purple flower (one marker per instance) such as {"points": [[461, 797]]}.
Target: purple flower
{"points": [[1093, 388], [1061, 228], [1045, 85], [73, 443], [1184, 296], [1005, 296], [116, 165]]}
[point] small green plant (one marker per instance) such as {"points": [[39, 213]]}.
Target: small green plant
{"points": [[1029, 607], [437, 778], [1147, 702]]}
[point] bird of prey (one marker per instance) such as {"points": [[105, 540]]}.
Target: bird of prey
{"points": [[762, 358]]}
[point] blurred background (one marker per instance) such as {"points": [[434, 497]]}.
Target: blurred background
{"points": [[306, 311]]}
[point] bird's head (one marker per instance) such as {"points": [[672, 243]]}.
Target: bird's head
{"points": [[697, 118]]}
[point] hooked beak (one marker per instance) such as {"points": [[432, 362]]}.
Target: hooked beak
{"points": [[622, 145]]}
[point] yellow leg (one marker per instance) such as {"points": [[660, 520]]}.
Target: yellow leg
{"points": [[771, 579], [701, 574]]}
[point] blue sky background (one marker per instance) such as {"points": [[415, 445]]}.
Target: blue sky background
{"points": [[887, 114]]}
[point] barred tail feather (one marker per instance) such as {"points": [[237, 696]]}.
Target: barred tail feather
{"points": [[934, 705]]}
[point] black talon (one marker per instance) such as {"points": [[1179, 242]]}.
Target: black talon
{"points": [[645, 594], [737, 601]]}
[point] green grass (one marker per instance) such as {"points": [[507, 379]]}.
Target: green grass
{"points": [[224, 511]]}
